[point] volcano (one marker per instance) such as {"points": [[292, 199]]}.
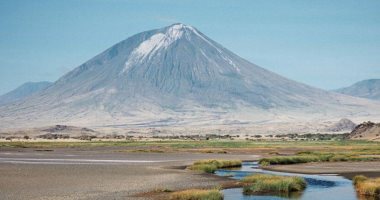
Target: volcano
{"points": [[176, 75]]}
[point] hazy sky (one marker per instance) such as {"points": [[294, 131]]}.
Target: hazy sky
{"points": [[324, 43]]}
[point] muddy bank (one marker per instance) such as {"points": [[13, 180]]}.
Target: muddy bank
{"points": [[99, 174], [346, 169]]}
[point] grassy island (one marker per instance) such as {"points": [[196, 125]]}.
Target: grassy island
{"points": [[197, 194], [369, 187], [273, 184], [210, 166]]}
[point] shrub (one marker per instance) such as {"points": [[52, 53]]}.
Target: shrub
{"points": [[263, 183], [196, 194]]}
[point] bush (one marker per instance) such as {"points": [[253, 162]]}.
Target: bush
{"points": [[263, 183], [196, 194]]}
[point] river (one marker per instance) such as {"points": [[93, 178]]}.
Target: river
{"points": [[323, 186]]}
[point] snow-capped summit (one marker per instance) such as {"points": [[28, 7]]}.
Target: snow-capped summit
{"points": [[178, 30], [161, 40], [176, 74]]}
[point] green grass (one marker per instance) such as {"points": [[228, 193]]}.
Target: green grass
{"points": [[284, 160], [369, 187], [307, 157], [218, 151], [196, 194], [309, 151], [273, 184], [210, 166]]}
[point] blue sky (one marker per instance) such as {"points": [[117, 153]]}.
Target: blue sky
{"points": [[325, 43]]}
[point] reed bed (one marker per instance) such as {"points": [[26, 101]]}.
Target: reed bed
{"points": [[307, 157], [210, 166], [197, 194], [273, 184], [369, 187]]}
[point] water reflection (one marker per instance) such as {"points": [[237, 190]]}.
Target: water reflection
{"points": [[326, 187]]}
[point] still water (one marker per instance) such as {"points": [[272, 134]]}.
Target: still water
{"points": [[325, 187]]}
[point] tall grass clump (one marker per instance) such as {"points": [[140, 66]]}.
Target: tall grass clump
{"points": [[197, 194], [359, 178], [210, 166], [367, 186], [273, 184]]}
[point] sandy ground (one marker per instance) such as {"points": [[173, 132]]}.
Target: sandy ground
{"points": [[98, 174], [347, 169]]}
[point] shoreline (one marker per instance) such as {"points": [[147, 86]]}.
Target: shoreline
{"points": [[345, 169]]}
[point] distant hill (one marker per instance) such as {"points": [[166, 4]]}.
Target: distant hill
{"points": [[342, 125], [54, 132], [366, 131], [23, 91], [369, 89]]}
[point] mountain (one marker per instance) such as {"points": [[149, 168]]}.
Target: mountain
{"points": [[23, 91], [369, 89], [172, 76]]}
